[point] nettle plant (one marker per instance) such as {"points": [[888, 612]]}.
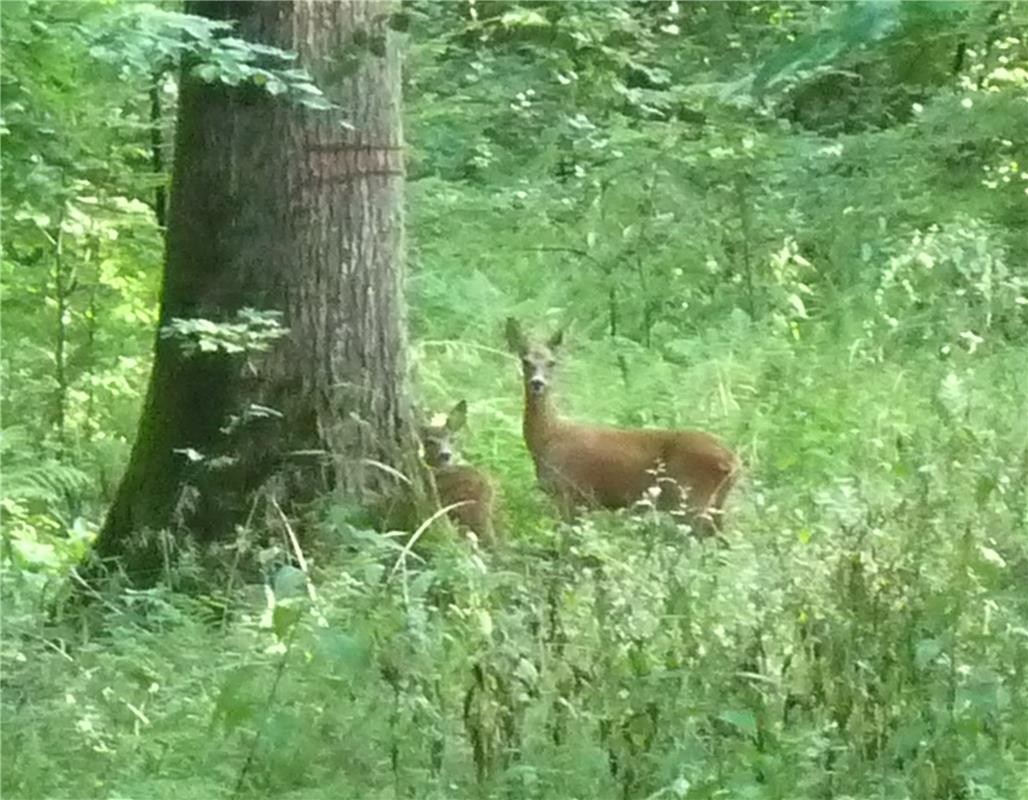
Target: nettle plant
{"points": [[951, 283]]}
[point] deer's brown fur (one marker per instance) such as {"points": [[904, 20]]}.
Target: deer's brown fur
{"points": [[615, 467], [460, 484]]}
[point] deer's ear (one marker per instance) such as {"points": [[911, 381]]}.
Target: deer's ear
{"points": [[556, 340], [515, 337], [458, 416]]}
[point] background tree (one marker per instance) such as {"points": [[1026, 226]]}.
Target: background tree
{"points": [[282, 348]]}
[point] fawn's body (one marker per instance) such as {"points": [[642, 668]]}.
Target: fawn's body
{"points": [[615, 467], [459, 483]]}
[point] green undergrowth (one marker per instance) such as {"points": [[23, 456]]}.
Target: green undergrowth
{"points": [[861, 632]]}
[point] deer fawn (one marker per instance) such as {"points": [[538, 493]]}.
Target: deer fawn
{"points": [[459, 483], [612, 467]]}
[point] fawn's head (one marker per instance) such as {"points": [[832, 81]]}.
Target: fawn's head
{"points": [[437, 440], [537, 359]]}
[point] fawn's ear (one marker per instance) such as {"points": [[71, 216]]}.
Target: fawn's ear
{"points": [[458, 416], [556, 340], [515, 338]]}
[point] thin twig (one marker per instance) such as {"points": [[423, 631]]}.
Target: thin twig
{"points": [[238, 555], [311, 591], [388, 470], [47, 643], [575, 251], [110, 606], [279, 671], [401, 559]]}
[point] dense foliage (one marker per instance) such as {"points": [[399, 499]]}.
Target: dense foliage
{"points": [[800, 226]]}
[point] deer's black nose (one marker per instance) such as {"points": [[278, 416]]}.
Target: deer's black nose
{"points": [[537, 385], [445, 456]]}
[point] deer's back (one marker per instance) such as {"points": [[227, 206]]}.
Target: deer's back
{"points": [[613, 467]]}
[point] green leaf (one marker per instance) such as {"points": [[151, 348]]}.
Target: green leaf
{"points": [[284, 618], [206, 72], [983, 489], [741, 719], [350, 653], [400, 21], [317, 103], [524, 18], [289, 581], [238, 700]]}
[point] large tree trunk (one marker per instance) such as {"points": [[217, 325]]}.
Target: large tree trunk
{"points": [[278, 207]]}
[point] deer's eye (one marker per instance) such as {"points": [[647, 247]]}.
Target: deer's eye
{"points": [[551, 363]]}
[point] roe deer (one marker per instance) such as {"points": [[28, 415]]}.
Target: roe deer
{"points": [[613, 467], [459, 483]]}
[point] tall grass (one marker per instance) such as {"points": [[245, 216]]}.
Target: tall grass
{"points": [[863, 634]]}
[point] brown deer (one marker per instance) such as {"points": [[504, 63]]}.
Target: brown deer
{"points": [[459, 483], [613, 467]]}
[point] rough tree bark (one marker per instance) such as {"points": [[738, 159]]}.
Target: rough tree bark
{"points": [[278, 207]]}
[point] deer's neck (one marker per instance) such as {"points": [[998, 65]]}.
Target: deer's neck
{"points": [[540, 421]]}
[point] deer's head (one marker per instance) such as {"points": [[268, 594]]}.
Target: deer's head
{"points": [[437, 440], [538, 359]]}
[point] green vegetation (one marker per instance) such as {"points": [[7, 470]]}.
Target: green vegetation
{"points": [[800, 227]]}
